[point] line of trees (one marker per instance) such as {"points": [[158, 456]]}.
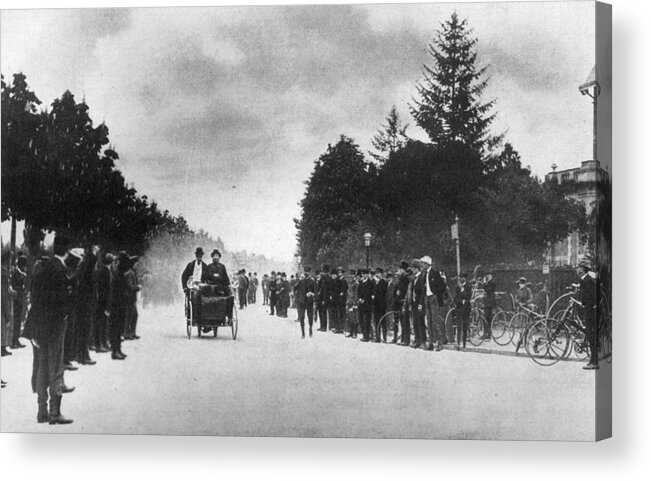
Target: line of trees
{"points": [[409, 194], [59, 175]]}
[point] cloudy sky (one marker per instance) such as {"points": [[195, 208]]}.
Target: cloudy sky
{"points": [[220, 113]]}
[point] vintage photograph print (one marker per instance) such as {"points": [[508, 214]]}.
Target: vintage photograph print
{"points": [[346, 221]]}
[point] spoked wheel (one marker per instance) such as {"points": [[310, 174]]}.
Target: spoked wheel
{"points": [[188, 316], [450, 328], [579, 344], [500, 328], [234, 323], [547, 341], [389, 320], [517, 327], [476, 327]]}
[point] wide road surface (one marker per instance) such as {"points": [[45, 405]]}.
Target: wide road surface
{"points": [[269, 382]]}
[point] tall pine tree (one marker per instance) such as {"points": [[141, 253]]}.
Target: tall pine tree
{"points": [[450, 107]]}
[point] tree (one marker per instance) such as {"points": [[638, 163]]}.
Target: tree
{"points": [[390, 138], [338, 197], [450, 107], [20, 123]]}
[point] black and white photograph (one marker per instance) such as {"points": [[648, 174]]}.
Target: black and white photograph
{"points": [[368, 221]]}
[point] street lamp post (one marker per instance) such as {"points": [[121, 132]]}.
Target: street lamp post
{"points": [[367, 244]]}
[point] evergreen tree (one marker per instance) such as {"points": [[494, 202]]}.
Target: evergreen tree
{"points": [[338, 196], [390, 138], [450, 107]]}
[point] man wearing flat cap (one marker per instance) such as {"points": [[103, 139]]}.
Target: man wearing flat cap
{"points": [[217, 274], [587, 296]]}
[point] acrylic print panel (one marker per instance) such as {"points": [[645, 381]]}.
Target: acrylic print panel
{"points": [[375, 221]]}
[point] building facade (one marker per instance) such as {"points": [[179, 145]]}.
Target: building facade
{"points": [[585, 182]]}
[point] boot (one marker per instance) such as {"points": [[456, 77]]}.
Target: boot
{"points": [[5, 351], [55, 412], [42, 416], [302, 332], [310, 331]]}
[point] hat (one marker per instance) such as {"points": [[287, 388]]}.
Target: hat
{"points": [[215, 251], [307, 269], [273, 273], [133, 260], [463, 275], [108, 258], [358, 273], [61, 241], [340, 269], [317, 272], [283, 274], [365, 271], [77, 252], [522, 280], [326, 267], [426, 259], [379, 270], [389, 274], [352, 272], [333, 271], [198, 251], [404, 265]]}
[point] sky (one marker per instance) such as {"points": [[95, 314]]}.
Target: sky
{"points": [[220, 113]]}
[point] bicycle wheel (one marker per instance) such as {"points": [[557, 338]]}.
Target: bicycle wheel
{"points": [[450, 325], [579, 348], [476, 327], [547, 341], [500, 328], [517, 326]]}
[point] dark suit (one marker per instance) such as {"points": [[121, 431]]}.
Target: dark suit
{"points": [[588, 298], [273, 298], [305, 302], [51, 303], [365, 306], [321, 305], [218, 276], [340, 302], [418, 309], [462, 296], [489, 304], [103, 292], [380, 306], [432, 303], [400, 292]]}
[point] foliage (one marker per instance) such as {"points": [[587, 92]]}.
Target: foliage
{"points": [[450, 108], [390, 138], [338, 196]]}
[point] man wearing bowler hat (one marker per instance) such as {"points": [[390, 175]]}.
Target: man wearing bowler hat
{"points": [[217, 274], [197, 269], [304, 298], [47, 333]]}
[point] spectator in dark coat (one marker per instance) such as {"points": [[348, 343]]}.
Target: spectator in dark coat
{"points": [[19, 285], [120, 298], [380, 304], [103, 296]]}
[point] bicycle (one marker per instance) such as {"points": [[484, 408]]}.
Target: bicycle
{"points": [[552, 339]]}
